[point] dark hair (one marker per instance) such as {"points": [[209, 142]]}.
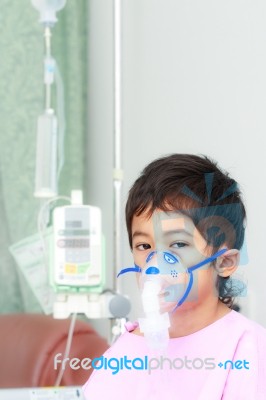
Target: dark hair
{"points": [[197, 187]]}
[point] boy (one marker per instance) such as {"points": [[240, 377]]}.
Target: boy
{"points": [[187, 209]]}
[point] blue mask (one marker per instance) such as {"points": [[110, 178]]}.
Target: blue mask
{"points": [[168, 264]]}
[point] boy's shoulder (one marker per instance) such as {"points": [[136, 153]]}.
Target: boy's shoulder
{"points": [[248, 325], [247, 321]]}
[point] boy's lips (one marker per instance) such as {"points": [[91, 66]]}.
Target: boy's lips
{"points": [[163, 293]]}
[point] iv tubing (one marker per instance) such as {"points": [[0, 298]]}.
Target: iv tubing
{"points": [[117, 177], [61, 118], [43, 220], [67, 349]]}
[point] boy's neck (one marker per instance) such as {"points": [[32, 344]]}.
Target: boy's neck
{"points": [[190, 320]]}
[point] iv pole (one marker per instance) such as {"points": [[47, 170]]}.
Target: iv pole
{"points": [[117, 172], [117, 325]]}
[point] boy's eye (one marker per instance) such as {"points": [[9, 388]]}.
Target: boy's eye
{"points": [[143, 246], [178, 245]]}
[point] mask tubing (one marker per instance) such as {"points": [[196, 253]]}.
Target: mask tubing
{"points": [[129, 269]]}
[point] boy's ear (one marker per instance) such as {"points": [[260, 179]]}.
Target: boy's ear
{"points": [[227, 264]]}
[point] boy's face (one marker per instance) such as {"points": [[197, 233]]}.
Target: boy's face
{"points": [[175, 233]]}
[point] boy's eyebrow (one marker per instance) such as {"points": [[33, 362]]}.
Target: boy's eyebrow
{"points": [[166, 233], [139, 233], [171, 232]]}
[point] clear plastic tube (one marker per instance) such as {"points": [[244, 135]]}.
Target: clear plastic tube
{"points": [[50, 135], [61, 118], [67, 349]]}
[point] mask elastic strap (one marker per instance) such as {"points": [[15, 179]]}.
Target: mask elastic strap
{"points": [[193, 268], [207, 260]]}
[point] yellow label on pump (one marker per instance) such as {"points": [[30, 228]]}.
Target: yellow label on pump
{"points": [[71, 268]]}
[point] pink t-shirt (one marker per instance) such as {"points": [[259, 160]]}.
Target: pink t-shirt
{"points": [[225, 360]]}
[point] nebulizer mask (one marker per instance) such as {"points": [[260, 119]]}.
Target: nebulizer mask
{"points": [[165, 284]]}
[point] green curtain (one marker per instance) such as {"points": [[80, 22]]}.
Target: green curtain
{"points": [[22, 101]]}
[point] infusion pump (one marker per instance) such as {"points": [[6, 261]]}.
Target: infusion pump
{"points": [[77, 272], [78, 253]]}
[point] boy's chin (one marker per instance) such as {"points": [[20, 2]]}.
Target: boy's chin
{"points": [[171, 306], [167, 306]]}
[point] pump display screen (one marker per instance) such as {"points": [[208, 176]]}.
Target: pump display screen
{"points": [[73, 224], [73, 243]]}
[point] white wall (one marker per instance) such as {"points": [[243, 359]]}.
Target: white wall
{"points": [[194, 80]]}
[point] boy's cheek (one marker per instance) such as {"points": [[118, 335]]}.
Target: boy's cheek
{"points": [[204, 284]]}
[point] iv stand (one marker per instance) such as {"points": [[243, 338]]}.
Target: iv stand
{"points": [[117, 172], [117, 324]]}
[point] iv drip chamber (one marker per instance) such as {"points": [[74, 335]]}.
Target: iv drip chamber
{"points": [[46, 156]]}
